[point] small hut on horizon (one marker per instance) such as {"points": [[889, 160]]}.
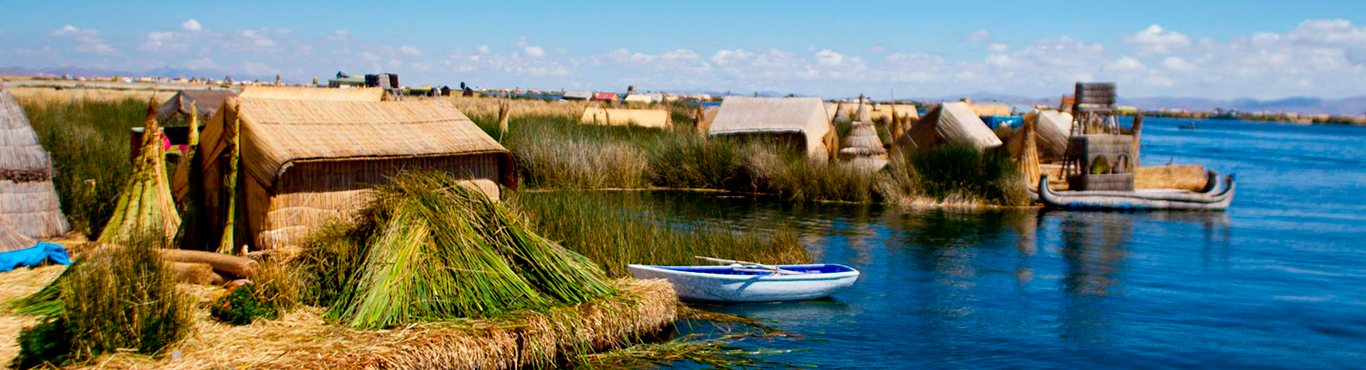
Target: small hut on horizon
{"points": [[800, 122], [29, 206], [304, 162], [206, 102]]}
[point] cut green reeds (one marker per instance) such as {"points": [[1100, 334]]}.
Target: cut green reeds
{"points": [[439, 249], [119, 299], [47, 301], [145, 201]]}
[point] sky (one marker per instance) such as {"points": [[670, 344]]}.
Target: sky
{"points": [[1191, 48]]}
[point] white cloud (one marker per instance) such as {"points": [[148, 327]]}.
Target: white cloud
{"points": [[66, 30], [521, 42], [876, 50], [827, 57], [1126, 64], [535, 51], [340, 35], [88, 41], [191, 26], [483, 49], [1177, 64], [256, 38], [410, 50], [1155, 40], [998, 48], [977, 36]]}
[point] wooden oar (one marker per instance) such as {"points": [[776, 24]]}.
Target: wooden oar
{"points": [[759, 265]]}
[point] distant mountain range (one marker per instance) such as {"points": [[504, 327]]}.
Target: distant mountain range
{"points": [[164, 71], [1355, 105]]}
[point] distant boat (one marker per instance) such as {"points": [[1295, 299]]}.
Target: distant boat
{"points": [[1188, 126], [1212, 198], [752, 282]]}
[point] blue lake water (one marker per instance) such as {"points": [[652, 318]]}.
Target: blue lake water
{"points": [[1277, 281]]}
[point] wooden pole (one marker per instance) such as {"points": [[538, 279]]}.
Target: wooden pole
{"points": [[1138, 139]]}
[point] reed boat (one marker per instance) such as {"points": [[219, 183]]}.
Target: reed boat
{"points": [[751, 282], [1213, 197]]}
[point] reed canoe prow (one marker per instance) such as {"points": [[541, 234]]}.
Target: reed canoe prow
{"points": [[1213, 197]]}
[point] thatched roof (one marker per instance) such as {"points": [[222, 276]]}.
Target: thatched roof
{"points": [[11, 239], [745, 115], [206, 101], [1051, 131], [277, 133], [862, 141], [656, 118], [948, 122], [28, 201], [21, 156], [312, 93]]}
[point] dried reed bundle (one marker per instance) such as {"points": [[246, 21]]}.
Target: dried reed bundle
{"points": [[145, 201], [439, 249]]}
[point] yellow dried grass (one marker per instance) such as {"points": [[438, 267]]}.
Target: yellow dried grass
{"points": [[302, 339]]}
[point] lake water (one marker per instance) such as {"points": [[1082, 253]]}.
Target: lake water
{"points": [[1277, 281]]}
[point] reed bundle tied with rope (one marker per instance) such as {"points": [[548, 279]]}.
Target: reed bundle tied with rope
{"points": [[145, 201], [436, 249]]}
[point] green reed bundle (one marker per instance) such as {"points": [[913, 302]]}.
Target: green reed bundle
{"points": [[438, 250]]}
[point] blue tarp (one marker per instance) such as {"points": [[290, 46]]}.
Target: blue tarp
{"points": [[30, 257], [996, 121]]}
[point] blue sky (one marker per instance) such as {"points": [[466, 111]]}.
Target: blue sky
{"points": [[1260, 49]]}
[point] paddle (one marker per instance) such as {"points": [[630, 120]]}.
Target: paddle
{"points": [[763, 266]]}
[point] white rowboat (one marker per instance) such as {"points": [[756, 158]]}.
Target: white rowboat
{"points": [[748, 283]]}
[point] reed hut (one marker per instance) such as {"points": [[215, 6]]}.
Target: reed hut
{"points": [[1051, 132], [653, 118], [862, 147], [800, 122], [948, 122], [28, 201], [303, 162], [312, 93], [207, 101]]}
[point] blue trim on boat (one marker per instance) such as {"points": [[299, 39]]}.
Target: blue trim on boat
{"points": [[730, 270]]}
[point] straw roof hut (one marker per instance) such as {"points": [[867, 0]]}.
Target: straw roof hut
{"points": [[207, 101], [654, 118], [862, 146], [800, 121], [948, 122], [1051, 132], [312, 93], [28, 201], [303, 162], [11, 240]]}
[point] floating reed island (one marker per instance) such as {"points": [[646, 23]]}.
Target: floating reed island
{"points": [[408, 257]]}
